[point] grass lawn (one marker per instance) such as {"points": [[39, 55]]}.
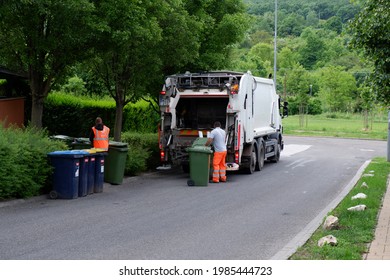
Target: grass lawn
{"points": [[336, 125], [356, 229]]}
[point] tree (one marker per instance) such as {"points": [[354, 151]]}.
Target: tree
{"points": [[313, 50], [261, 52], [367, 102], [224, 23], [293, 24], [126, 50], [337, 89], [312, 19], [334, 23], [371, 32], [298, 80], [42, 38], [286, 60]]}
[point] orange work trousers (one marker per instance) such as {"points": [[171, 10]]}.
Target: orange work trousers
{"points": [[219, 167]]}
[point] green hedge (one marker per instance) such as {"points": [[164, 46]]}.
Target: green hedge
{"points": [[73, 116], [24, 168]]}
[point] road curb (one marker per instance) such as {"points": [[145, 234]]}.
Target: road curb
{"points": [[13, 202], [22, 200]]}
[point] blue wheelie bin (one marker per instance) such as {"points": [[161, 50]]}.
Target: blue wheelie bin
{"points": [[99, 169], [66, 173], [84, 170], [91, 170]]}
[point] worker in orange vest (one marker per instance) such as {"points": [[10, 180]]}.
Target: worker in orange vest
{"points": [[99, 135]]}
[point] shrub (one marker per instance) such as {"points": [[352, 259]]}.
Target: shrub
{"points": [[24, 169], [314, 106], [143, 152], [75, 85]]}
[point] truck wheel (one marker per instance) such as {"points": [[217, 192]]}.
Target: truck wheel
{"points": [[276, 157], [260, 162], [252, 166]]}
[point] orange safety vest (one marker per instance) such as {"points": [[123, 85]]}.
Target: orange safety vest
{"points": [[100, 139]]}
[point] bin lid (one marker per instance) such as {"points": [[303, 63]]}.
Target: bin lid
{"points": [[117, 144], [199, 141], [90, 151], [200, 149], [62, 137], [98, 150], [70, 154], [82, 140]]}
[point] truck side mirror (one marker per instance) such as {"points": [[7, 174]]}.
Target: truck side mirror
{"points": [[285, 109]]}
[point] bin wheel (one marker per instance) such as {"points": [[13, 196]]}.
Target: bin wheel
{"points": [[190, 183], [53, 194]]}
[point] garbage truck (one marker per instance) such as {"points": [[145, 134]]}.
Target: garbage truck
{"points": [[248, 108]]}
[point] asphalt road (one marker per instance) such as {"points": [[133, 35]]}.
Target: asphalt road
{"points": [[157, 216]]}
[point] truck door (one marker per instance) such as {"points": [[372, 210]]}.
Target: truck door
{"points": [[248, 108]]}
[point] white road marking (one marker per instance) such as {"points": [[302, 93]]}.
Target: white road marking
{"points": [[299, 163], [292, 149], [367, 150]]}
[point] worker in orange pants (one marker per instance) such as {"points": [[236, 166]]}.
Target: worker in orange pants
{"points": [[217, 138], [219, 167]]}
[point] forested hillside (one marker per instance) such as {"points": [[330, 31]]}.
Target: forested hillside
{"points": [[323, 9], [124, 48], [315, 66]]}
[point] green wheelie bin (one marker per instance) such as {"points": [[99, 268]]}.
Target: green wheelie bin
{"points": [[201, 141], [66, 139], [199, 163], [115, 162], [81, 144]]}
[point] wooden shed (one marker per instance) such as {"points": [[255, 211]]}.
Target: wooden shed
{"points": [[12, 98]]}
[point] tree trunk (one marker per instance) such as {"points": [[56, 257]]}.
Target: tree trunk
{"points": [[118, 121], [365, 119], [40, 88], [37, 111]]}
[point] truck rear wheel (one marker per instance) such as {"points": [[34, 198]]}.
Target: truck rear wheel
{"points": [[260, 161], [253, 160]]}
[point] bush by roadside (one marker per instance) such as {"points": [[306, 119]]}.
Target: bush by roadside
{"points": [[143, 152], [26, 172], [24, 168]]}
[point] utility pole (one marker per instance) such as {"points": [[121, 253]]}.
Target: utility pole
{"points": [[388, 137], [276, 28]]}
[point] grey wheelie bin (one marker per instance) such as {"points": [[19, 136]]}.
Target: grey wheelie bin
{"points": [[81, 143], [115, 162], [63, 138]]}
